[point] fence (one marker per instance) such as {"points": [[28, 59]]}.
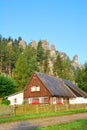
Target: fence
{"points": [[7, 111], [33, 109]]}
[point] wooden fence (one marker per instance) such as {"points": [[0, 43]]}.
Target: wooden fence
{"points": [[33, 109], [7, 111]]}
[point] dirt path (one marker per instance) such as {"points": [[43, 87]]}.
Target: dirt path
{"points": [[36, 123]]}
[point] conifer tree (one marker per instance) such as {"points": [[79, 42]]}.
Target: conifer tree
{"points": [[7, 86], [25, 66]]}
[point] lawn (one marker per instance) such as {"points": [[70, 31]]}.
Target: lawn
{"points": [[77, 125], [39, 115]]}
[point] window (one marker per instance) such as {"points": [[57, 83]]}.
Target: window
{"points": [[35, 88], [30, 100], [41, 99], [38, 88], [54, 100], [15, 100], [34, 100]]}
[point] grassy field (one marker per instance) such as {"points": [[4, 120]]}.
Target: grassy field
{"points": [[77, 125], [39, 115]]}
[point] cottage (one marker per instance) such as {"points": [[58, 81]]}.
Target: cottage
{"points": [[43, 88]]}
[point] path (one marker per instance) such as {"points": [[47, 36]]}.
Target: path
{"points": [[36, 123]]}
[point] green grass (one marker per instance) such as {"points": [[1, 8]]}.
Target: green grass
{"points": [[40, 115], [77, 125]]}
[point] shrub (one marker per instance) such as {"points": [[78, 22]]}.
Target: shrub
{"points": [[5, 101], [25, 102]]}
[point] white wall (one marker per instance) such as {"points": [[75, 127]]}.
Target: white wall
{"points": [[18, 97], [78, 100]]}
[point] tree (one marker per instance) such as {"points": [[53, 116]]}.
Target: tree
{"points": [[46, 62], [67, 72], [7, 86], [25, 66], [10, 39], [82, 78], [6, 57], [19, 38], [8, 60], [57, 67], [40, 52], [0, 37], [63, 69]]}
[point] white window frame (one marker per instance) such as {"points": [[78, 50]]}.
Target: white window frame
{"points": [[38, 88], [33, 88], [54, 100], [41, 99], [30, 100]]}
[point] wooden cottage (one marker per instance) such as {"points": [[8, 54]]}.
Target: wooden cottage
{"points": [[43, 88]]}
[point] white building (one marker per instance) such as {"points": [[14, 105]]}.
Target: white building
{"points": [[78, 100], [16, 98]]}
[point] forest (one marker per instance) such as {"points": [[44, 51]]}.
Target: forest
{"points": [[19, 60]]}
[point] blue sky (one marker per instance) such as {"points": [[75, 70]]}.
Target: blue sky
{"points": [[60, 22]]}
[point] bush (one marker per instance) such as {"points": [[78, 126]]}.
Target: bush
{"points": [[25, 102], [5, 101]]}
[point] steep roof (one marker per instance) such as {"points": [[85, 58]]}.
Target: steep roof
{"points": [[73, 87], [55, 86], [59, 87]]}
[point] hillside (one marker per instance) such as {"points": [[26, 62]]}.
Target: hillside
{"points": [[19, 60]]}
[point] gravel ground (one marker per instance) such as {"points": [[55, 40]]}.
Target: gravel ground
{"points": [[36, 123]]}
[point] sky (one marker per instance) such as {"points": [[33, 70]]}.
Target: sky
{"points": [[60, 22]]}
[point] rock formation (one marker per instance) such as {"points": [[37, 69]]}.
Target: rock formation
{"points": [[33, 44], [52, 51], [45, 44], [50, 67], [22, 44], [75, 62], [63, 56], [9, 44]]}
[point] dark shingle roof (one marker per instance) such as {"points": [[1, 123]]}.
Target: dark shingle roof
{"points": [[59, 87], [55, 86], [73, 87]]}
